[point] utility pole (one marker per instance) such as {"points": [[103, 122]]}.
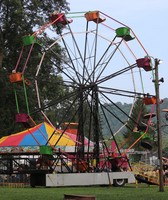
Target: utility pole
{"points": [[161, 181]]}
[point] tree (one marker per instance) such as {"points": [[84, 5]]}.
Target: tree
{"points": [[137, 126], [19, 18], [136, 118]]}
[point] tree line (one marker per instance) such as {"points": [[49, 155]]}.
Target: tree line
{"points": [[20, 18]]}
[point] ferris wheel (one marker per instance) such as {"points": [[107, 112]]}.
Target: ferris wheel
{"points": [[104, 63]]}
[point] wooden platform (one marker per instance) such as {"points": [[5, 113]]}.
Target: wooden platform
{"points": [[78, 197]]}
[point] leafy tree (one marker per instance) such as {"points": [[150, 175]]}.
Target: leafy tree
{"points": [[137, 125], [19, 18], [139, 110]]}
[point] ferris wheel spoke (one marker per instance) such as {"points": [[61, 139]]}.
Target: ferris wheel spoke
{"points": [[71, 66], [56, 65], [56, 101], [103, 108], [116, 73], [126, 93], [82, 58], [101, 72], [95, 52], [70, 119], [121, 110], [99, 63], [71, 60], [85, 69]]}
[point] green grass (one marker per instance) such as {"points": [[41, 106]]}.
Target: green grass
{"points": [[128, 192]]}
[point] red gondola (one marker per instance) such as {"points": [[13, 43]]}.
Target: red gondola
{"points": [[59, 18], [144, 63]]}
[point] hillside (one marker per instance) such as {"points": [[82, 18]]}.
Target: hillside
{"points": [[117, 114]]}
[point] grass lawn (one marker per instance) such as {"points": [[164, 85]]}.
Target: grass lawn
{"points": [[128, 192]]}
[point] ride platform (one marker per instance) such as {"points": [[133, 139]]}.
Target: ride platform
{"points": [[146, 179]]}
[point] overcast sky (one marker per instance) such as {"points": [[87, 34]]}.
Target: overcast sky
{"points": [[147, 18]]}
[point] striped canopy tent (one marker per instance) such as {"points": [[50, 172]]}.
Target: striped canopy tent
{"points": [[40, 135]]}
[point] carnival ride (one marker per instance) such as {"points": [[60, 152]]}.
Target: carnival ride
{"points": [[104, 62]]}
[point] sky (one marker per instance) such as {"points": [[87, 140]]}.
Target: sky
{"points": [[147, 18]]}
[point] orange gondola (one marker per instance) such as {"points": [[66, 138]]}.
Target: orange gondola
{"points": [[94, 16]]}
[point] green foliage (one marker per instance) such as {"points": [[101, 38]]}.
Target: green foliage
{"points": [[20, 18], [136, 118], [139, 110], [116, 118]]}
